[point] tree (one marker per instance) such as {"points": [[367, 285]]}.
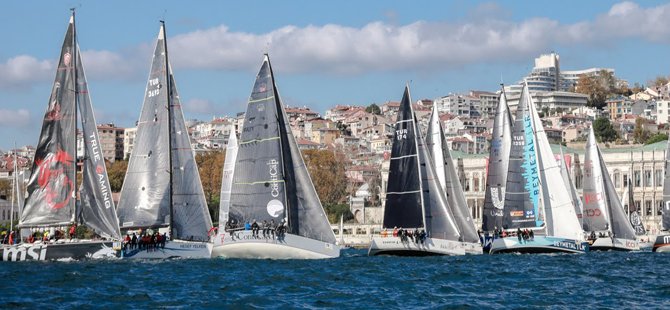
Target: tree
{"points": [[210, 167], [374, 109], [598, 88], [116, 172], [335, 211], [658, 82], [640, 134], [604, 130], [327, 170], [656, 138], [5, 188]]}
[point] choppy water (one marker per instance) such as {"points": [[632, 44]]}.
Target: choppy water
{"points": [[594, 280]]}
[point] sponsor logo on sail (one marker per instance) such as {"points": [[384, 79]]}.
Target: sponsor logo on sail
{"points": [[529, 166], [498, 200], [67, 59], [100, 171], [516, 213], [53, 178], [592, 212], [53, 111], [274, 185], [275, 208]]}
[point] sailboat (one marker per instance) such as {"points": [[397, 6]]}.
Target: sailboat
{"points": [[162, 193], [536, 199], [272, 187], [628, 201], [603, 219], [415, 199], [448, 178], [17, 191], [51, 202], [662, 243], [226, 185], [496, 175]]}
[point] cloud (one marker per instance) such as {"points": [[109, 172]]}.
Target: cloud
{"points": [[15, 118], [20, 71]]}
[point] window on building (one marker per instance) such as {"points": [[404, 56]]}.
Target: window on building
{"points": [[659, 209], [476, 181], [466, 186], [637, 180], [658, 178], [625, 179], [647, 207], [616, 177], [647, 178]]}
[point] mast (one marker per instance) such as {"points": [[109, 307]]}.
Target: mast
{"points": [[169, 109], [14, 187], [76, 104]]}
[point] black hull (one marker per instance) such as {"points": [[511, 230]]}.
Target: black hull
{"points": [[662, 244], [71, 250]]}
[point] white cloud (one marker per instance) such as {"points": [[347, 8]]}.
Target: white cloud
{"points": [[22, 70], [14, 118]]}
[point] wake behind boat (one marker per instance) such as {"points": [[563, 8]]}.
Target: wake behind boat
{"points": [[415, 200], [268, 188], [531, 203], [51, 203], [162, 201]]}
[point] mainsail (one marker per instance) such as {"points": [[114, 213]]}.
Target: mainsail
{"points": [[522, 192], [270, 180], [414, 196], [162, 186], [97, 206], [567, 179], [446, 174], [51, 188], [501, 143], [633, 213], [227, 177]]}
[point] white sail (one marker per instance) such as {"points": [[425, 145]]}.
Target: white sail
{"points": [[227, 177], [559, 210], [567, 179], [595, 217]]}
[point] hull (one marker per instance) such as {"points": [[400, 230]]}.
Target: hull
{"points": [[472, 248], [242, 244], [662, 244], [431, 246], [540, 244], [614, 244], [75, 250], [172, 249]]}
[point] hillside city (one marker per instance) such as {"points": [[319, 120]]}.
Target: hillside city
{"points": [[624, 117]]}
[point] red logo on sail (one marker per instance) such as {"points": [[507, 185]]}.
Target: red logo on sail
{"points": [[53, 179]]}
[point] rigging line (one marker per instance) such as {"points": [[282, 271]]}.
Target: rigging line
{"points": [[259, 140], [259, 100]]}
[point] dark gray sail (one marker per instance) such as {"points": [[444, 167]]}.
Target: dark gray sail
{"points": [[633, 212], [191, 219], [97, 206], [144, 200], [446, 172], [403, 191], [666, 190], [496, 178], [51, 188], [522, 192], [258, 191]]}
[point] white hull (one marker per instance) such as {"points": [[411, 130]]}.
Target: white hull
{"points": [[614, 244], [431, 246], [472, 248], [540, 244], [172, 249], [242, 244]]}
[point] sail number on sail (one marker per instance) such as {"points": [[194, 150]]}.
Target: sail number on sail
{"points": [[156, 91]]}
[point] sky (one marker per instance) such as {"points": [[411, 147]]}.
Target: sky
{"points": [[353, 52]]}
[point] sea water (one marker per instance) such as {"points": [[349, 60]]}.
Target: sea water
{"points": [[593, 280]]}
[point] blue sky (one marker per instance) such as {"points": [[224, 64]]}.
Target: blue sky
{"points": [[323, 53]]}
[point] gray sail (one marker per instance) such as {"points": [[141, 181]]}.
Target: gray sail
{"points": [[446, 172], [227, 177], [403, 190], [97, 207], [522, 190], [144, 201], [51, 188], [258, 191], [666, 190], [190, 215], [620, 226], [633, 212], [496, 177]]}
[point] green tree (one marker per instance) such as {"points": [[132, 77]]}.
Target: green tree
{"points": [[210, 167], [656, 138], [374, 109], [604, 130], [335, 211], [116, 172], [640, 134]]}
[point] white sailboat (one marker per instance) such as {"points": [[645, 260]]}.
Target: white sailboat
{"points": [[270, 185], [662, 242], [51, 204], [603, 219], [567, 179], [536, 198], [417, 220], [448, 178], [162, 193]]}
